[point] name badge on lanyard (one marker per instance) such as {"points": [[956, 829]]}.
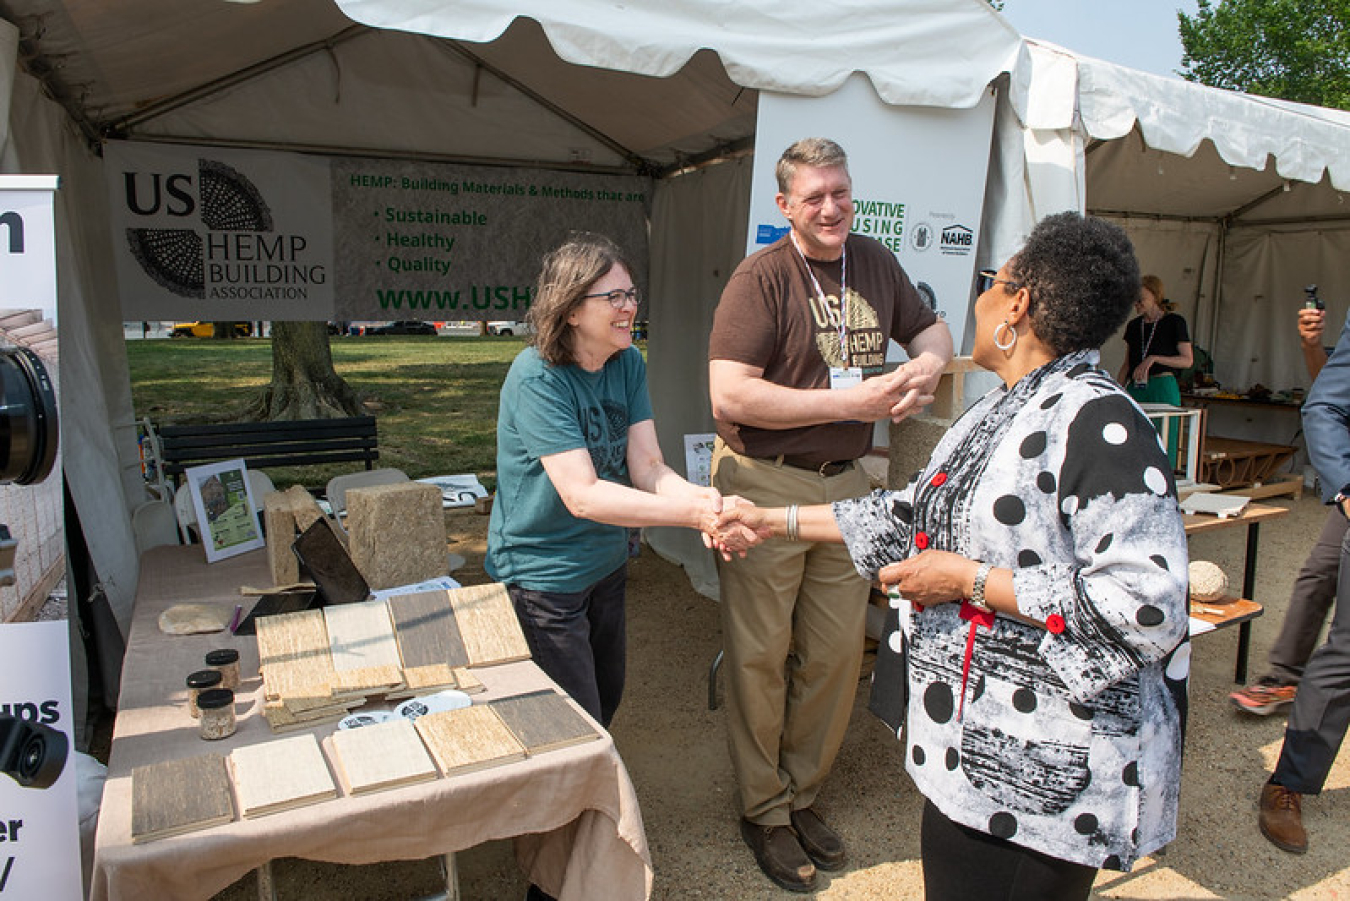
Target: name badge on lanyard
{"points": [[845, 376]]}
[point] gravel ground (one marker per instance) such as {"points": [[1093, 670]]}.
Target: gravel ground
{"points": [[675, 750]]}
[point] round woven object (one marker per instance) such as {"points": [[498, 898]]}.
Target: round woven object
{"points": [[1208, 582]]}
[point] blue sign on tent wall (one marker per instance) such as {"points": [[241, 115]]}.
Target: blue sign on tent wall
{"points": [[767, 234]]}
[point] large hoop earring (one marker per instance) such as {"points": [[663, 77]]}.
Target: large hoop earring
{"points": [[1012, 342]]}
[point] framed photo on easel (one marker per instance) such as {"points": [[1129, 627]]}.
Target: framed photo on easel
{"points": [[227, 518]]}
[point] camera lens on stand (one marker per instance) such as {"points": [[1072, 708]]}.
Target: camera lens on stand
{"points": [[28, 423]]}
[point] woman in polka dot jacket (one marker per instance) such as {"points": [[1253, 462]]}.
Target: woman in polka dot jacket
{"points": [[1042, 561]]}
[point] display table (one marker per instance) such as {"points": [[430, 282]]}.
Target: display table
{"points": [[573, 812], [1242, 611]]}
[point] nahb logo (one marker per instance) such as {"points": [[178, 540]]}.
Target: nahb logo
{"points": [[227, 246], [957, 240]]}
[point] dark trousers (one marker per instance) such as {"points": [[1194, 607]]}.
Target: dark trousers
{"points": [[1321, 711], [1314, 593], [579, 639], [962, 864]]}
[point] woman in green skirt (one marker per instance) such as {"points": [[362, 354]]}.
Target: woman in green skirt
{"points": [[1159, 347]]}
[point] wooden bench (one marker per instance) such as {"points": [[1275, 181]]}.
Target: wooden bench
{"points": [[300, 442]]}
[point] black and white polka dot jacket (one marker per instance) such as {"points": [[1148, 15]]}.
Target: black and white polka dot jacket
{"points": [[1066, 739]]}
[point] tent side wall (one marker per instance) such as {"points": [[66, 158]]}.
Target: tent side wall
{"points": [[698, 232], [98, 438]]}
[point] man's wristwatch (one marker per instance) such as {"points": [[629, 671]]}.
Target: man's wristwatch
{"points": [[977, 591]]}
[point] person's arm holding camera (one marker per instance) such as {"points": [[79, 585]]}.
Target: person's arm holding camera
{"points": [[1311, 322]]}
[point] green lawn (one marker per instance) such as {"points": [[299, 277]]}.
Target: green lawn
{"points": [[435, 399]]}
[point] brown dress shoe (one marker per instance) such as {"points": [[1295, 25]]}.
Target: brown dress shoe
{"points": [[1282, 818], [780, 856], [821, 843]]}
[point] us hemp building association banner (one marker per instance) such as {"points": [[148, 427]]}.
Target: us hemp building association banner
{"points": [[202, 233]]}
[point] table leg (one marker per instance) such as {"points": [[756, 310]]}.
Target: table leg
{"points": [[1248, 591], [267, 888], [451, 877], [1249, 562], [1244, 646]]}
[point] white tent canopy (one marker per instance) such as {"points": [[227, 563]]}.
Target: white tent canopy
{"points": [[1234, 200]]}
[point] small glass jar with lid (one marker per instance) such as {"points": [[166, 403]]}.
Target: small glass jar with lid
{"points": [[217, 713], [226, 660], [198, 682]]}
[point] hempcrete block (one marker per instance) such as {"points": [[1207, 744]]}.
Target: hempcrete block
{"points": [[285, 515], [397, 533]]}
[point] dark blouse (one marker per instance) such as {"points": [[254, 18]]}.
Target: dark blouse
{"points": [[1161, 338]]}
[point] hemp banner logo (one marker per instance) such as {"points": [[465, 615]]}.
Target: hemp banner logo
{"points": [[227, 246]]}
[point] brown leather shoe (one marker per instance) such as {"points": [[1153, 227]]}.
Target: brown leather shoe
{"points": [[1282, 818], [780, 856], [821, 843]]}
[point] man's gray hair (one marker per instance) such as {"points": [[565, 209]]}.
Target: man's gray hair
{"points": [[814, 152]]}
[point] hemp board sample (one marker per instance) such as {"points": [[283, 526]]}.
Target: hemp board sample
{"points": [[281, 774], [282, 719], [178, 796], [364, 650], [544, 721], [386, 755], [397, 533], [295, 660], [469, 739], [488, 623], [427, 632]]}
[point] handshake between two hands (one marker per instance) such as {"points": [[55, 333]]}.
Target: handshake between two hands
{"points": [[731, 524]]}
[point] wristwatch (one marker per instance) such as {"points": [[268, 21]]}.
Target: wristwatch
{"points": [[977, 591]]}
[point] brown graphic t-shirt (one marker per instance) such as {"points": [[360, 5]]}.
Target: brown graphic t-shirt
{"points": [[770, 316]]}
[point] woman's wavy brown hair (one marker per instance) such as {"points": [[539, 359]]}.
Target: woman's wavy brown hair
{"points": [[569, 273]]}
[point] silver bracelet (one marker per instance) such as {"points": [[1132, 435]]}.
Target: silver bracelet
{"points": [[977, 599], [792, 522]]}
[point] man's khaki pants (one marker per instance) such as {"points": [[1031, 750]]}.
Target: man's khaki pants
{"points": [[793, 615]]}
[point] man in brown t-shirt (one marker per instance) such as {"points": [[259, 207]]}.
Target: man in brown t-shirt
{"points": [[797, 379]]}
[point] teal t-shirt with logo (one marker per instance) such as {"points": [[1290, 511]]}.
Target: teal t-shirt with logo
{"points": [[533, 540]]}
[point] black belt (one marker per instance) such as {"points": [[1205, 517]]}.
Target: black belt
{"points": [[828, 468]]}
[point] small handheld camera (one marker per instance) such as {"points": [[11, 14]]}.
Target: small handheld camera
{"points": [[1310, 299], [32, 754]]}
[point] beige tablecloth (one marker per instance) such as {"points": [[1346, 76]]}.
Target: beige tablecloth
{"points": [[573, 812]]}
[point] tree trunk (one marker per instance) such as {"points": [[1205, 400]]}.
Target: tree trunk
{"points": [[222, 330], [304, 383]]}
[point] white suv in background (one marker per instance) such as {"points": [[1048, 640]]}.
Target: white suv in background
{"points": [[509, 328]]}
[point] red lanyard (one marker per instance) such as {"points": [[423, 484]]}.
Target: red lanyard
{"points": [[977, 618]]}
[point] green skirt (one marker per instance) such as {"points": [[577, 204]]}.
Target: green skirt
{"points": [[1162, 389]]}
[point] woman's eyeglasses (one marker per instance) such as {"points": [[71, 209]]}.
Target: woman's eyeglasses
{"points": [[618, 298], [989, 277]]}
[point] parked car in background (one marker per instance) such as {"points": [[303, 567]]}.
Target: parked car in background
{"points": [[505, 327], [207, 329], [404, 327]]}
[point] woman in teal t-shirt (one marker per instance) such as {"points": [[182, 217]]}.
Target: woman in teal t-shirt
{"points": [[577, 465]]}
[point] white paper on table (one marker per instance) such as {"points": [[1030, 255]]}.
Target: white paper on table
{"points": [[440, 583], [1201, 626], [458, 490]]}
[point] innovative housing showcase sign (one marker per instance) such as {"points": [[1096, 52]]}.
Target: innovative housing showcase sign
{"points": [[221, 235]]}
